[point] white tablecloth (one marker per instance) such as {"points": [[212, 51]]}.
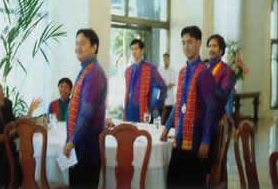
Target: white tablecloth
{"points": [[56, 138], [157, 169]]}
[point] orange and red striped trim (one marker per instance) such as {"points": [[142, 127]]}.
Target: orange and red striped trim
{"points": [[75, 101], [189, 118]]}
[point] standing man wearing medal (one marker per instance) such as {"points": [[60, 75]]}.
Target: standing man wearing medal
{"points": [[193, 117]]}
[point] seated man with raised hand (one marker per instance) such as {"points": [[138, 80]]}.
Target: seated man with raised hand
{"points": [[59, 107]]}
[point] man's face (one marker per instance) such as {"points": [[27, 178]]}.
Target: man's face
{"points": [[1, 96], [64, 90], [83, 48], [191, 46], [166, 60], [137, 52], [214, 49]]}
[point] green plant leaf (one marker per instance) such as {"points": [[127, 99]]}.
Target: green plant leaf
{"points": [[44, 55], [7, 10], [21, 65]]}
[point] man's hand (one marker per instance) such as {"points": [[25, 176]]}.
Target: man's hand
{"points": [[155, 113], [67, 148], [170, 85], [164, 134], [109, 123], [36, 102], [203, 150]]}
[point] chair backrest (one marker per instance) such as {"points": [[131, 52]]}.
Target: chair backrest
{"points": [[273, 169], [219, 168], [10, 159], [25, 130], [245, 132], [125, 135]]}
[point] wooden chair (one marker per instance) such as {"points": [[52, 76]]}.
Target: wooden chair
{"points": [[25, 130], [219, 176], [273, 169], [245, 132], [10, 159], [125, 135]]}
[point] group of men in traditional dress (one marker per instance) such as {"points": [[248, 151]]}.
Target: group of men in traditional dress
{"points": [[202, 93]]}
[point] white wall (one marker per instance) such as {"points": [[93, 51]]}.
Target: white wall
{"points": [[183, 13], [63, 59], [75, 15], [228, 18], [100, 21], [256, 50], [228, 22]]}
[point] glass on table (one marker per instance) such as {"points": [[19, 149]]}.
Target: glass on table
{"points": [[147, 117], [157, 122], [52, 121]]}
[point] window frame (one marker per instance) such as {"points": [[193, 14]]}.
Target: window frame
{"points": [[127, 22]]}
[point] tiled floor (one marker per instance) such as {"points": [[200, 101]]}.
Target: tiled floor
{"points": [[266, 140]]}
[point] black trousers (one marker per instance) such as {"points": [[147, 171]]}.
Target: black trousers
{"points": [[84, 176], [167, 110], [186, 170], [5, 167]]}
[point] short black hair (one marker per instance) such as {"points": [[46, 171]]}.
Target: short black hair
{"points": [[65, 80], [139, 42], [220, 40], [92, 35], [166, 54], [193, 31], [206, 60]]}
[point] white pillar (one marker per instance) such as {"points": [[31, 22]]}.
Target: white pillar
{"points": [[100, 21], [183, 13], [73, 15]]}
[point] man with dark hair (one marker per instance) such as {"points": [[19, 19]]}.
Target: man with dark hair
{"points": [[192, 31], [139, 42], [91, 35], [168, 74], [59, 107], [86, 114], [193, 117], [224, 78], [145, 89]]}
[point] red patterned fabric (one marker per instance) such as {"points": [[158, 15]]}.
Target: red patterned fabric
{"points": [[144, 92], [189, 118], [55, 108], [75, 101]]}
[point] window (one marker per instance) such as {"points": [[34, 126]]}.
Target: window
{"points": [[153, 10], [274, 55], [143, 19], [118, 7]]}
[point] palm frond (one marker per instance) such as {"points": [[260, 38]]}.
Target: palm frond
{"points": [[50, 32], [21, 65], [7, 10], [44, 55]]}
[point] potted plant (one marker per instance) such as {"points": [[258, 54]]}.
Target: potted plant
{"points": [[235, 59], [22, 18]]}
